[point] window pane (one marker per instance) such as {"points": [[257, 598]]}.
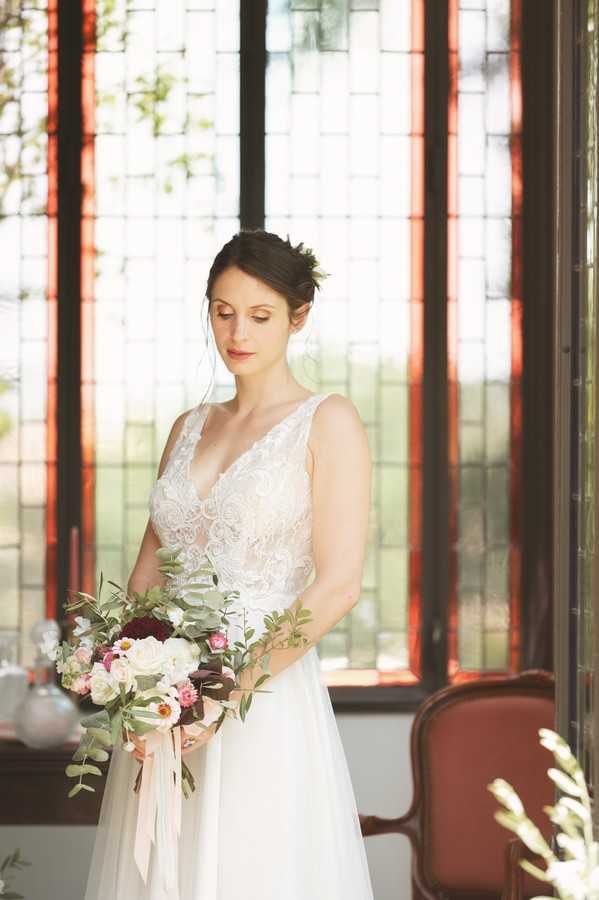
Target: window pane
{"points": [[27, 320], [344, 144], [484, 316], [162, 196]]}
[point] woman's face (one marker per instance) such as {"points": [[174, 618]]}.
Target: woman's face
{"points": [[249, 316]]}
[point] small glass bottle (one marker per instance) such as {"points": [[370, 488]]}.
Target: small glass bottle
{"points": [[13, 677]]}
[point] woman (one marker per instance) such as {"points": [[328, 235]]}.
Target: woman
{"points": [[268, 486]]}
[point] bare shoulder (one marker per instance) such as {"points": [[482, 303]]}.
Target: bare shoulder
{"points": [[337, 428], [337, 411]]}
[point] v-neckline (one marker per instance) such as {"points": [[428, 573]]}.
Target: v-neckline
{"points": [[203, 410]]}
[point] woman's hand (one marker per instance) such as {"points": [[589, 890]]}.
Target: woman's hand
{"points": [[140, 752]]}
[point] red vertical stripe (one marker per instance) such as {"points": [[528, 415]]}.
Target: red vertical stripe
{"points": [[88, 436], [52, 303], [416, 356], [516, 324]]}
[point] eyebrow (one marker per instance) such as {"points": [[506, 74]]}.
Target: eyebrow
{"points": [[267, 305]]}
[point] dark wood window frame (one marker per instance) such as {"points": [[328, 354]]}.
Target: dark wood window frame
{"points": [[537, 62]]}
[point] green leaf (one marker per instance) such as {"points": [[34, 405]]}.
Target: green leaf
{"points": [[80, 787], [101, 735], [88, 769], [115, 727], [99, 719], [97, 754]]}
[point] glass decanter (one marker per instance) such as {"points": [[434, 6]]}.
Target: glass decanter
{"points": [[48, 716]]}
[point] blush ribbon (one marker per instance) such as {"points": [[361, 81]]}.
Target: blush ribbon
{"points": [[159, 809]]}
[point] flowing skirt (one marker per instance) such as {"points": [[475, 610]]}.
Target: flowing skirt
{"points": [[273, 816]]}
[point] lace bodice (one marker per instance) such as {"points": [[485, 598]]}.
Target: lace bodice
{"points": [[255, 523]]}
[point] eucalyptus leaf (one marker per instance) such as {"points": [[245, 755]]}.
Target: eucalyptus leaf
{"points": [[80, 787], [97, 754], [101, 735], [99, 719]]}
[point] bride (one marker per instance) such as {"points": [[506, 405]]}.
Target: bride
{"points": [[270, 486]]}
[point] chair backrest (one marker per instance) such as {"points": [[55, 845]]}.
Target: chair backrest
{"points": [[463, 737]]}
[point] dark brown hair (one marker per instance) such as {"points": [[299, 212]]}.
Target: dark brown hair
{"points": [[292, 271]]}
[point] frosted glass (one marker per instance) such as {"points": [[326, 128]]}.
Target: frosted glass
{"points": [[166, 193], [340, 178], [26, 321], [482, 344]]}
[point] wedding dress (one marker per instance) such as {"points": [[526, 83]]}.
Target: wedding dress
{"points": [[274, 815]]}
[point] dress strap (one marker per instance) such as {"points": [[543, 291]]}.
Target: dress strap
{"points": [[186, 433]]}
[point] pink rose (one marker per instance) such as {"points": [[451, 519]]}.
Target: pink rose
{"points": [[107, 661], [186, 693], [83, 655], [81, 684], [218, 641]]}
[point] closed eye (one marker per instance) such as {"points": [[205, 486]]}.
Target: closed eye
{"points": [[255, 318]]}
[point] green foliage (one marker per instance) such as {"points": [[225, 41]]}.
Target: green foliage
{"points": [[12, 861]]}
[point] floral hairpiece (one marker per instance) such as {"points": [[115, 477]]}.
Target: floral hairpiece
{"points": [[316, 272]]}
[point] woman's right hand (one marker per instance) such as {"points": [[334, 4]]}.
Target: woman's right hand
{"points": [[198, 741]]}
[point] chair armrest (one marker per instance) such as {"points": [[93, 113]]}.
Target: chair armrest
{"points": [[406, 825]]}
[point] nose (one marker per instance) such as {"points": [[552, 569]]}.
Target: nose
{"points": [[239, 328]]}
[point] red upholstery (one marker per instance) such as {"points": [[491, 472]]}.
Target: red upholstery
{"points": [[466, 746], [463, 737]]}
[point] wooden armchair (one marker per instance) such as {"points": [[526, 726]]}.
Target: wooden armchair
{"points": [[463, 737]]}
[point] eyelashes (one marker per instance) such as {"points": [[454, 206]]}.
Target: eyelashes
{"points": [[255, 318]]}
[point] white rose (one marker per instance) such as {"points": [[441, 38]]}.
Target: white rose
{"points": [[120, 670], [102, 684], [146, 657], [179, 658]]}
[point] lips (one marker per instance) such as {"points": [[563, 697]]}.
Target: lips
{"points": [[237, 355]]}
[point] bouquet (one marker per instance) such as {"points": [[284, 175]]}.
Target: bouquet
{"points": [[159, 664], [576, 876]]}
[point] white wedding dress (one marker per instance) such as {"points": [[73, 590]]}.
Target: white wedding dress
{"points": [[274, 815]]}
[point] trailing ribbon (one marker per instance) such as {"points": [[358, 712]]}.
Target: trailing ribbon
{"points": [[159, 809]]}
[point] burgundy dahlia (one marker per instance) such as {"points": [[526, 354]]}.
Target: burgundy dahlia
{"points": [[146, 626]]}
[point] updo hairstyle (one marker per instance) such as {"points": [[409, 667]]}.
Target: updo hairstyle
{"points": [[292, 271]]}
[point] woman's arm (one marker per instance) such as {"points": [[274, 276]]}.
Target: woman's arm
{"points": [[145, 572], [341, 492]]}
